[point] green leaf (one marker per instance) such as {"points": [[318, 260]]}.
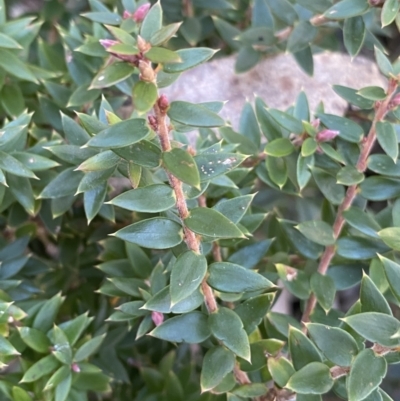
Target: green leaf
{"points": [[352, 96], [372, 93], [302, 350], [314, 378], [277, 170], [121, 134], [101, 161], [209, 222], [281, 370], [348, 129], [151, 199], [317, 231], [348, 175], [253, 310], [228, 277], [362, 221], [227, 327], [383, 62], [328, 186], [212, 165], [286, 121], [194, 115], [93, 179], [161, 55], [346, 9], [35, 162], [356, 248], [366, 374], [74, 133], [301, 37], [6, 348], [392, 273], [65, 184], [144, 96], [187, 274], [63, 388], [375, 327], [111, 75], [234, 209], [279, 147], [103, 17], [93, 201], [389, 12], [164, 34], [35, 339], [191, 328], [381, 188], [391, 237], [354, 33], [74, 328], [8, 42], [41, 368], [152, 22], [61, 348], [19, 394], [88, 348], [387, 138], [15, 66], [309, 147], [324, 289], [143, 153], [45, 318], [181, 164], [156, 233], [14, 166], [217, 363], [371, 298], [190, 59], [336, 344], [161, 302]]}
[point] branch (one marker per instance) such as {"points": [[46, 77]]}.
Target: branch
{"points": [[381, 109]]}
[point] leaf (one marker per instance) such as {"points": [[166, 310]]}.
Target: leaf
{"points": [[191, 328], [383, 62], [234, 209], [40, 368], [309, 147], [354, 33], [150, 199], [324, 289], [101, 161], [93, 179], [286, 121], [228, 277], [121, 134], [15, 66], [227, 327], [314, 378], [187, 274], [352, 96], [164, 34], [14, 166], [328, 186], [362, 221], [367, 372], [103, 17], [301, 37], [19, 394], [162, 56], [348, 129], [144, 96], [152, 21], [389, 12], [190, 59], [348, 175], [357, 248], [35, 339], [277, 170], [279, 147], [346, 9], [88, 348], [317, 231], [302, 350], [74, 133], [392, 274], [112, 75], [194, 115], [391, 237], [181, 164], [35, 162], [281, 370], [372, 93], [61, 348], [336, 344], [65, 184], [156, 233], [387, 138], [381, 188], [375, 327], [6, 348], [63, 388], [217, 363], [371, 298]]}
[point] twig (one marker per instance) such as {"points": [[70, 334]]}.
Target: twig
{"points": [[381, 109]]}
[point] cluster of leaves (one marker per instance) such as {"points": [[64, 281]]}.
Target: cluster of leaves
{"points": [[136, 264]]}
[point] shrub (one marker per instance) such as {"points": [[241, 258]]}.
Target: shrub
{"points": [[139, 264]]}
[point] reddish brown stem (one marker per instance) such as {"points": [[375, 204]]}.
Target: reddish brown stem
{"points": [[381, 109]]}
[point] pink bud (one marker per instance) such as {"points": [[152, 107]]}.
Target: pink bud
{"points": [[140, 13], [153, 122], [106, 43], [395, 101], [163, 103], [75, 368], [326, 135], [316, 123], [126, 15], [157, 318]]}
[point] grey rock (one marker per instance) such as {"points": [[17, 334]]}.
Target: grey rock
{"points": [[277, 80]]}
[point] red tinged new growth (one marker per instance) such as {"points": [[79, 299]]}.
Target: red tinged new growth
{"points": [[139, 14]]}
